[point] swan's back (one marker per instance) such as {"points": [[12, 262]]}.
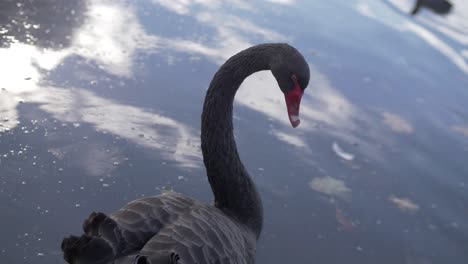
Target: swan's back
{"points": [[196, 232]]}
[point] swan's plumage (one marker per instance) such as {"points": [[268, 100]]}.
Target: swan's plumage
{"points": [[172, 223]]}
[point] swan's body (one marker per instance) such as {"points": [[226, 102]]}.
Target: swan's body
{"points": [[197, 232], [172, 228]]}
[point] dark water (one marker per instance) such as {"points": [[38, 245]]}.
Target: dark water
{"points": [[100, 104]]}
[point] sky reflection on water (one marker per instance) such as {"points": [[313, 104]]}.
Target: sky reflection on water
{"points": [[105, 108]]}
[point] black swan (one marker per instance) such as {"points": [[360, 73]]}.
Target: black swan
{"points": [[172, 228], [441, 7]]}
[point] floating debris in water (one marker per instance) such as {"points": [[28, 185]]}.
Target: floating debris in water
{"points": [[397, 123], [404, 204], [181, 178], [341, 153], [261, 169], [329, 185], [345, 223], [40, 254], [105, 185], [166, 189], [460, 129]]}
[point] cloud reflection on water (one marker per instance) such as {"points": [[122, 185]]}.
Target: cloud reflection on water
{"points": [[111, 36], [465, 54], [282, 2], [100, 40], [182, 7], [232, 34], [20, 64], [173, 139]]}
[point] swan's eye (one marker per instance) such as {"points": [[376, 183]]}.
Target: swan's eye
{"points": [[295, 81], [140, 260]]}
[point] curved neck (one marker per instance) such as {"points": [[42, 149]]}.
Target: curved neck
{"points": [[234, 191]]}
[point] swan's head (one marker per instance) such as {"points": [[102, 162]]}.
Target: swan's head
{"points": [[292, 73]]}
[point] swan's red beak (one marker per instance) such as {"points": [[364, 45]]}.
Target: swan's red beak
{"points": [[293, 101]]}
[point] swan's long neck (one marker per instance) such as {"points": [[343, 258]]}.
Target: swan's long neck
{"points": [[234, 191]]}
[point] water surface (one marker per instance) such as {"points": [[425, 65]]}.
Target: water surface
{"points": [[100, 103]]}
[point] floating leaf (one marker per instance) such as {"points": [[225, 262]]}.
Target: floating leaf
{"points": [[346, 224], [330, 186], [397, 123], [404, 204]]}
